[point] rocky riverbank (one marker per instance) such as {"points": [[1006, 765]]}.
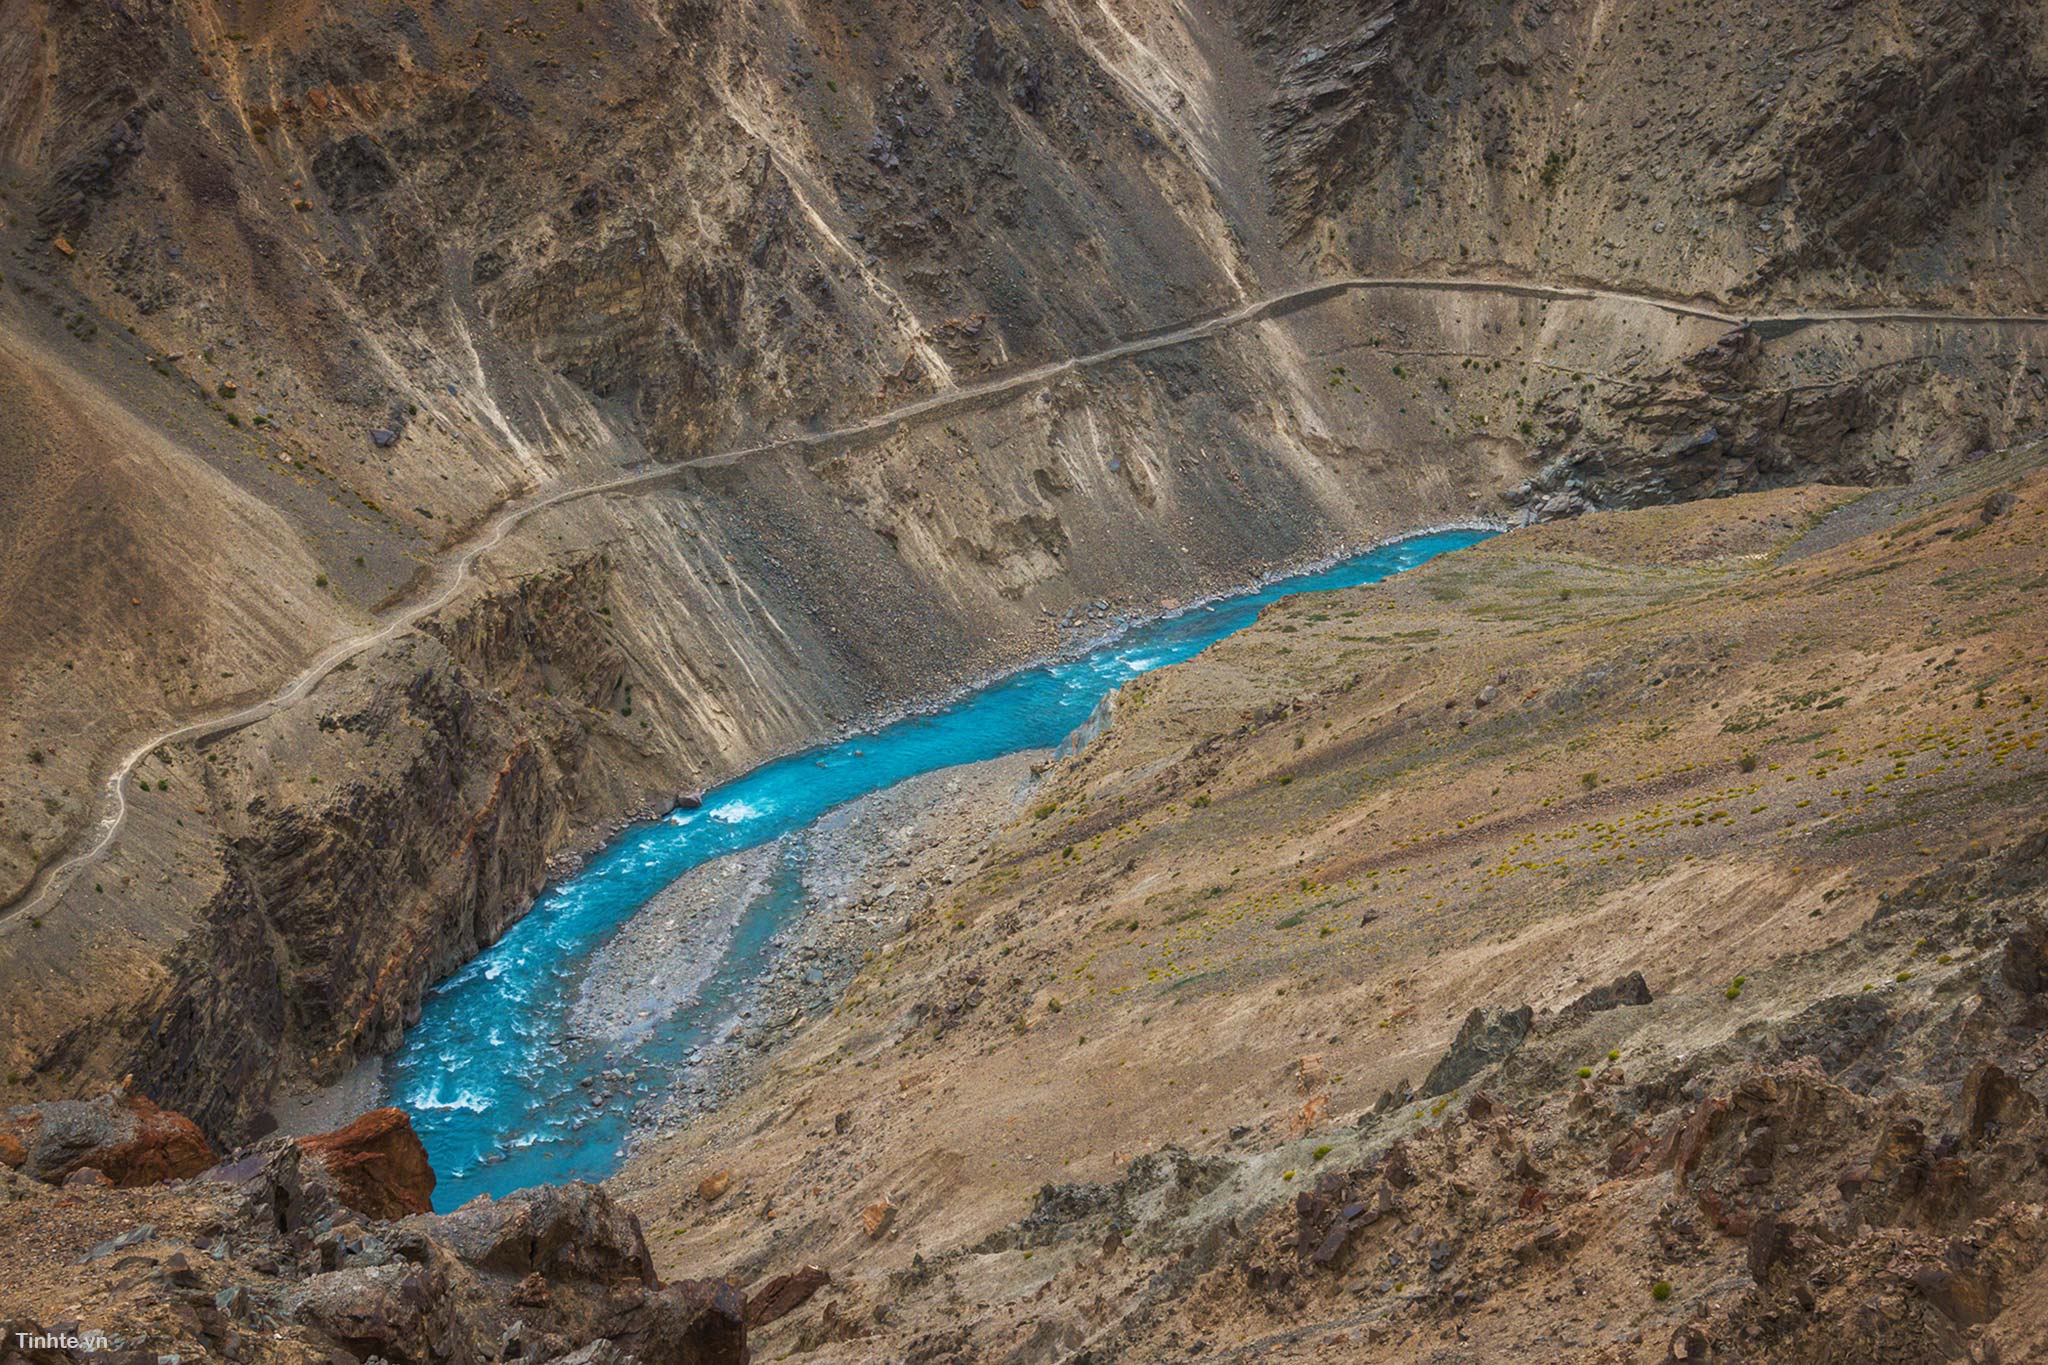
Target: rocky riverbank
{"points": [[854, 880]]}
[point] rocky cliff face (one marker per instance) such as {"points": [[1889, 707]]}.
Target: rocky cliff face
{"points": [[1798, 151], [298, 299]]}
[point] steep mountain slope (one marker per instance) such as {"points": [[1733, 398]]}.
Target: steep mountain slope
{"points": [[301, 296], [1434, 969]]}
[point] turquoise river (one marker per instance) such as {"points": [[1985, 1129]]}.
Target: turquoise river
{"points": [[492, 1080]]}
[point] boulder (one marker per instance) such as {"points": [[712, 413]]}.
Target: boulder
{"points": [[2024, 963], [370, 1310], [689, 1322], [1770, 1243], [785, 1294], [1993, 1103], [376, 1165], [125, 1137], [1965, 1297], [570, 1232], [563, 1267], [280, 1187], [1487, 1037], [1623, 990]]}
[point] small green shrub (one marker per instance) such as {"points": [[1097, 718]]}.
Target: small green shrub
{"points": [[1661, 1290]]}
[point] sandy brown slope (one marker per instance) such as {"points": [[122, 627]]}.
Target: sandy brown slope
{"points": [[1665, 742]]}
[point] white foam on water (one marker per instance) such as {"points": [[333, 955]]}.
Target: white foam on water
{"points": [[469, 1100], [736, 812]]}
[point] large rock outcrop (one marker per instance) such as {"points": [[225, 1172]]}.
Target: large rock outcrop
{"points": [[123, 1136], [377, 1164], [278, 1254]]}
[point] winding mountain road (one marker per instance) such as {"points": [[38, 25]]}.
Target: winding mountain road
{"points": [[453, 572]]}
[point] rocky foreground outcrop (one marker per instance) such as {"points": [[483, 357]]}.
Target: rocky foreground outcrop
{"points": [[119, 1138], [284, 1253], [377, 1165]]}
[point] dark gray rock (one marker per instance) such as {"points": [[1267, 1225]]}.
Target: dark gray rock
{"points": [[1487, 1037], [1623, 990], [2024, 963], [352, 171]]}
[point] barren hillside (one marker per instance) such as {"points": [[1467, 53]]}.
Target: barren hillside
{"points": [[302, 299]]}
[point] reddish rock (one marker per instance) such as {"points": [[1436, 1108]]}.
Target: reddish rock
{"points": [[12, 1154], [713, 1187], [377, 1164], [876, 1218], [125, 1137], [1726, 1214], [1684, 1144], [785, 1294], [1965, 1298], [1770, 1243]]}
